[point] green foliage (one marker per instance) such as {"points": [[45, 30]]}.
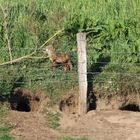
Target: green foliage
{"points": [[118, 80], [112, 29], [3, 111], [4, 132], [10, 77], [6, 137], [70, 138], [83, 138], [52, 119], [66, 138], [5, 127]]}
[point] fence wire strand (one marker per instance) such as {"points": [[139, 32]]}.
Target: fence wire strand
{"points": [[39, 71]]}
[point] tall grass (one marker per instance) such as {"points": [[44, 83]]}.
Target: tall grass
{"points": [[5, 127], [114, 24], [112, 29]]}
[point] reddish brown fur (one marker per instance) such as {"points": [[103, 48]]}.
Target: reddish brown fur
{"points": [[58, 58]]}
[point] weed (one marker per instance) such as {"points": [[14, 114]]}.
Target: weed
{"points": [[52, 119], [4, 126], [112, 29], [70, 138]]}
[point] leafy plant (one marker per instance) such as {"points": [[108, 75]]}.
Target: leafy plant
{"points": [[52, 119], [117, 80], [70, 138], [5, 127], [112, 29]]}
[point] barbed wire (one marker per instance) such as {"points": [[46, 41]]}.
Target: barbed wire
{"points": [[31, 48], [49, 66], [58, 77], [76, 73], [65, 81], [133, 74]]}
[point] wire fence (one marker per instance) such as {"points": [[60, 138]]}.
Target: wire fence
{"points": [[37, 73]]}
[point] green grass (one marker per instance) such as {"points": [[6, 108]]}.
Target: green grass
{"points": [[122, 80], [70, 138], [66, 138], [3, 111], [52, 119], [112, 29], [5, 128], [4, 132]]}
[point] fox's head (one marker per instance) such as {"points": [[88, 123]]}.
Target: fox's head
{"points": [[48, 49]]}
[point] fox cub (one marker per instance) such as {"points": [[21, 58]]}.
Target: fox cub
{"points": [[58, 58]]}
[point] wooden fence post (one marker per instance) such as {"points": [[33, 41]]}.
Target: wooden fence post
{"points": [[82, 73]]}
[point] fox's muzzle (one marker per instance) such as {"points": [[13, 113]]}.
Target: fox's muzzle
{"points": [[45, 51]]}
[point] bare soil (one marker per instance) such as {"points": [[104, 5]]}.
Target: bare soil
{"points": [[107, 122], [31, 125], [96, 125], [25, 100], [104, 125]]}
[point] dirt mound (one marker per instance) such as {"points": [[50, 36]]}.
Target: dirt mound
{"points": [[107, 122], [118, 103], [69, 104], [103, 125], [24, 100], [96, 125], [31, 125]]}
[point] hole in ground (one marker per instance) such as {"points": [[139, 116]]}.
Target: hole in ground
{"points": [[24, 100], [23, 105], [20, 101], [131, 107], [69, 104]]}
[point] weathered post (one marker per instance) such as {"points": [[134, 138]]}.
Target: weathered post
{"points": [[82, 73]]}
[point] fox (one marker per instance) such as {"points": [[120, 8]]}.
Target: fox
{"points": [[58, 58]]}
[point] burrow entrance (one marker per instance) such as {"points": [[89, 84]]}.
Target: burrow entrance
{"points": [[25, 100], [69, 104], [131, 107]]}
